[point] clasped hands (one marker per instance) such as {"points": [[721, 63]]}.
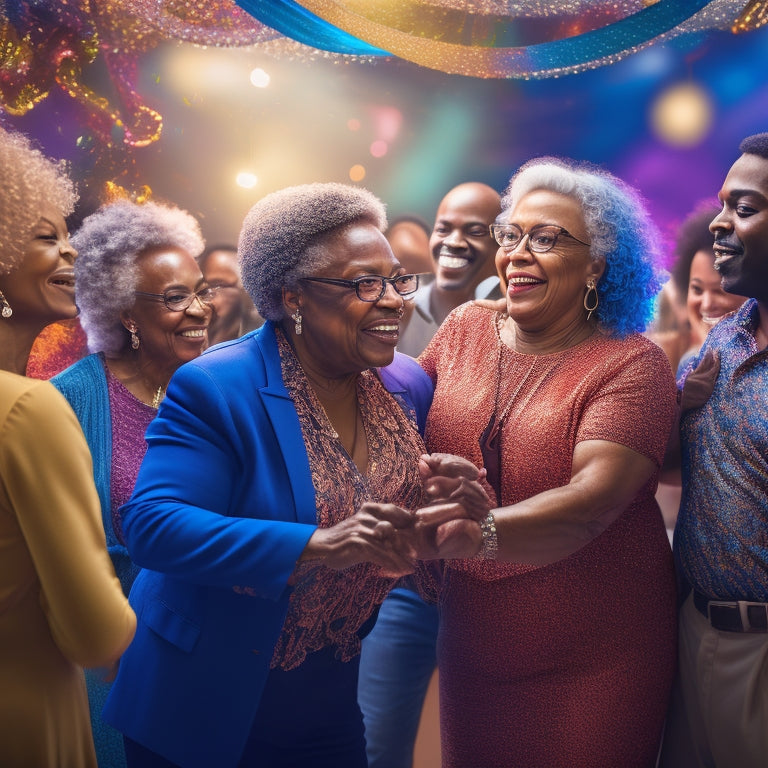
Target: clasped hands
{"points": [[395, 538]]}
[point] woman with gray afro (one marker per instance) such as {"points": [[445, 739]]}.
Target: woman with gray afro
{"points": [[274, 507], [145, 308]]}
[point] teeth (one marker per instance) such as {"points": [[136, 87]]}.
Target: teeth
{"points": [[523, 280], [387, 328], [452, 262], [193, 334]]}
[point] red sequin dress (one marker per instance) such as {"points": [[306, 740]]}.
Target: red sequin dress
{"points": [[570, 664]]}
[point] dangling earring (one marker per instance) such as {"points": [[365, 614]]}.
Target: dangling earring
{"points": [[135, 340], [591, 287], [6, 311], [296, 317]]}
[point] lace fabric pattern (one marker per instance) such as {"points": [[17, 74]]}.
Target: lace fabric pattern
{"points": [[328, 607]]}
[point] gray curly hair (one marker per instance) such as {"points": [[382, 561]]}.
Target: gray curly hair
{"points": [[276, 242], [109, 243], [29, 179]]}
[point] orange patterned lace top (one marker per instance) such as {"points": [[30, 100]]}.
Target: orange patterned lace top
{"points": [[328, 607]]}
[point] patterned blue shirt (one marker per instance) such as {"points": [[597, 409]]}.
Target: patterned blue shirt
{"points": [[721, 538]]}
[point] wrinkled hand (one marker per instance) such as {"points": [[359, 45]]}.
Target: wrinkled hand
{"points": [[376, 533], [449, 478], [443, 531], [700, 382]]}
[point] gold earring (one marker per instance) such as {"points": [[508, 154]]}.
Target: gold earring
{"points": [[296, 317], [6, 311], [591, 287]]}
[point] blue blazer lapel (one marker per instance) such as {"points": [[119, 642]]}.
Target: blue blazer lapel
{"points": [[285, 422]]}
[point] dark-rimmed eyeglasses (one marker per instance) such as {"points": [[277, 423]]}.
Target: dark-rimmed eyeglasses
{"points": [[180, 301], [372, 287], [541, 238]]}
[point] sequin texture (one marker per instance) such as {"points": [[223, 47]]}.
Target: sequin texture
{"points": [[570, 664]]}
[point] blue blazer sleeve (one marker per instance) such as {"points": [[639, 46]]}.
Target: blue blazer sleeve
{"points": [[224, 496], [410, 385]]}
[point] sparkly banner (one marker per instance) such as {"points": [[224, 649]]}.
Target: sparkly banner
{"points": [[47, 46]]}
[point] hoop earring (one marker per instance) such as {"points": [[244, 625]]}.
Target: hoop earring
{"points": [[591, 287], [135, 340], [296, 317], [6, 311]]}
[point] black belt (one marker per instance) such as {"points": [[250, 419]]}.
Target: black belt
{"points": [[734, 615]]}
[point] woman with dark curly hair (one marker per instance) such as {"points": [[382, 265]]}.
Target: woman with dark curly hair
{"points": [[145, 308], [557, 638], [697, 280]]}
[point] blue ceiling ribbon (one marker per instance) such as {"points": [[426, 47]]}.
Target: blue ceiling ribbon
{"points": [[292, 20]]}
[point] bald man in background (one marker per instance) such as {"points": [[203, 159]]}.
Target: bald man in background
{"points": [[463, 253]]}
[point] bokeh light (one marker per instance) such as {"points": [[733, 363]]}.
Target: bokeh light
{"points": [[259, 78], [379, 148], [357, 173], [682, 115], [246, 179]]}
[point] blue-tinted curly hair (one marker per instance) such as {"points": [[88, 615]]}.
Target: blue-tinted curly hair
{"points": [[620, 232]]}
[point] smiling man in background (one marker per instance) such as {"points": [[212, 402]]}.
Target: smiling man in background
{"points": [[464, 252], [720, 704]]}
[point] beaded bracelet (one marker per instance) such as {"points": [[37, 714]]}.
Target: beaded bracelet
{"points": [[490, 547]]}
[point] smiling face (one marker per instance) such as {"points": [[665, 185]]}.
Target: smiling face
{"points": [[341, 334], [41, 287], [741, 229], [545, 291], [461, 245], [169, 338], [707, 302]]}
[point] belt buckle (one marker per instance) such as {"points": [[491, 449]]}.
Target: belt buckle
{"points": [[735, 616]]}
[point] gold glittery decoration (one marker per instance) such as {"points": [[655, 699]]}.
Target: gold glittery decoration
{"points": [[114, 192], [754, 15]]}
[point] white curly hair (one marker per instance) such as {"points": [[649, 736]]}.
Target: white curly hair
{"points": [[109, 243]]}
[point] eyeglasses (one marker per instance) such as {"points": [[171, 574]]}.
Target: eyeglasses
{"points": [[180, 301], [541, 238], [372, 287]]}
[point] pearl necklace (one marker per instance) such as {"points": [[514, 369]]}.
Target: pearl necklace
{"points": [[159, 395]]}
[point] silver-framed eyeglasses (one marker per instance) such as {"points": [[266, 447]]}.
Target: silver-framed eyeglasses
{"points": [[177, 300], [541, 238], [372, 287]]}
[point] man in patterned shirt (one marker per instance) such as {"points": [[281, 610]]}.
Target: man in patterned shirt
{"points": [[719, 714]]}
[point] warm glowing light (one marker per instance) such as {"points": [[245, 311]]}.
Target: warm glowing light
{"points": [[357, 173], [247, 180], [379, 148], [682, 115], [353, 124], [259, 78]]}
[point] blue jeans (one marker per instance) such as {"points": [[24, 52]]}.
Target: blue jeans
{"points": [[396, 665]]}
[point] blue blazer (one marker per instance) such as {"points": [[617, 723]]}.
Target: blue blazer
{"points": [[223, 506]]}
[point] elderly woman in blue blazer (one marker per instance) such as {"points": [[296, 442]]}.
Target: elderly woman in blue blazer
{"points": [[273, 510]]}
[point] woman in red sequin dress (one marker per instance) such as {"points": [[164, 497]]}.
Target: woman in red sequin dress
{"points": [[557, 643]]}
